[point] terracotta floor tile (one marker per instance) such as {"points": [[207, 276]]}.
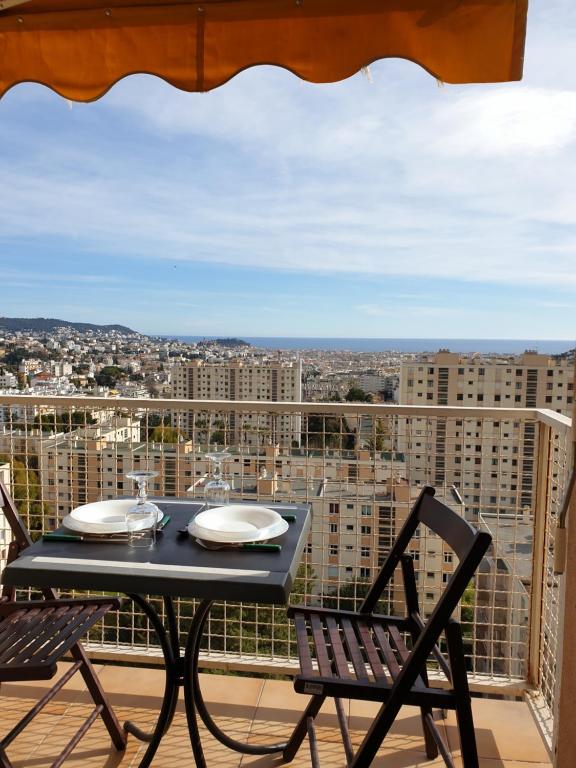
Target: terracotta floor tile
{"points": [[406, 732], [505, 730], [259, 712]]}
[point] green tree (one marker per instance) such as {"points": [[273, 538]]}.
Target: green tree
{"points": [[25, 489], [110, 375], [154, 420], [347, 596], [63, 422], [260, 629], [164, 435], [357, 395], [324, 432]]}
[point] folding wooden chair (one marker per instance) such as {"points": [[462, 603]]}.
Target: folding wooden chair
{"points": [[36, 634], [382, 658]]}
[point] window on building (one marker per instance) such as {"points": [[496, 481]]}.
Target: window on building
{"points": [[365, 530]]}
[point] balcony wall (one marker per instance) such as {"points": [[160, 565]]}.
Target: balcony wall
{"points": [[360, 467]]}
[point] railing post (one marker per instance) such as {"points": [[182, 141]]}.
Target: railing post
{"points": [[564, 731], [539, 553]]}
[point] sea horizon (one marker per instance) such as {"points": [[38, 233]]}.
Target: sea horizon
{"points": [[408, 345]]}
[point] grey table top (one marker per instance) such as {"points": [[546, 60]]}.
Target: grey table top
{"points": [[176, 566]]}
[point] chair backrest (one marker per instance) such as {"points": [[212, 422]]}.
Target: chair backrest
{"points": [[21, 538], [468, 544], [19, 530]]}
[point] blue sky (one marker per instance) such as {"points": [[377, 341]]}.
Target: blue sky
{"points": [[390, 207]]}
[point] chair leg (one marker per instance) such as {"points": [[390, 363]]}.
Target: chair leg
{"points": [[300, 731], [4, 761], [117, 734], [312, 741], [429, 740], [463, 701]]}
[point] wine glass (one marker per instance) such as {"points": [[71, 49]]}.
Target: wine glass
{"points": [[142, 517], [216, 490]]}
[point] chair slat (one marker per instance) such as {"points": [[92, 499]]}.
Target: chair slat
{"points": [[27, 629], [371, 652], [65, 627], [46, 628], [303, 647], [338, 652], [353, 650], [387, 651], [13, 623], [402, 649], [324, 663]]}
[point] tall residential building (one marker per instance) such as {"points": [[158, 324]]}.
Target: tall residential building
{"points": [[463, 451], [239, 380]]}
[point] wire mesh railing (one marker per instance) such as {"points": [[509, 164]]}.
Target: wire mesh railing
{"points": [[360, 467]]}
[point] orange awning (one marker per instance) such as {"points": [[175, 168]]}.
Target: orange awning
{"points": [[80, 48]]}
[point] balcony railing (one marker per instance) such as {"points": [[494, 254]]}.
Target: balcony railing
{"points": [[360, 467]]}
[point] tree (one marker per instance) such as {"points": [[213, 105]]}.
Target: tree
{"points": [[164, 435], [26, 492], [347, 596], [357, 395], [154, 420], [260, 629], [63, 422], [110, 375], [378, 441], [326, 432]]}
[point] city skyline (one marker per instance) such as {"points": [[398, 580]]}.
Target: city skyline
{"points": [[387, 208]]}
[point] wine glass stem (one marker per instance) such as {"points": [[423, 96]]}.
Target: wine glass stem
{"points": [[142, 491]]}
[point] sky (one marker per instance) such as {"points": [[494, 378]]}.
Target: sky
{"points": [[390, 206]]}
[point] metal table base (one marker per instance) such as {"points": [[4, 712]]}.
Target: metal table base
{"points": [[182, 672]]}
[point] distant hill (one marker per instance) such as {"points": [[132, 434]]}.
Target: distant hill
{"points": [[50, 324]]}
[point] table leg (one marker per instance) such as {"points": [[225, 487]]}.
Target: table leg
{"points": [[172, 662], [195, 701]]}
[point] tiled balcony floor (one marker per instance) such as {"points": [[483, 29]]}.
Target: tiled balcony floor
{"points": [[258, 710]]}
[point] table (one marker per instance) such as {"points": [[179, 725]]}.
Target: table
{"points": [[175, 567]]}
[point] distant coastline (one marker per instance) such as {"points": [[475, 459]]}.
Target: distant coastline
{"points": [[496, 346]]}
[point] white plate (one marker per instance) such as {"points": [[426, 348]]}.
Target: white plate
{"points": [[101, 517], [237, 523]]}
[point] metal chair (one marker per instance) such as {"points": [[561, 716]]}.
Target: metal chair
{"points": [[36, 634], [382, 658]]}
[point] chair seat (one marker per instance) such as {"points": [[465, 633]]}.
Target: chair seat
{"points": [[355, 656], [34, 635]]}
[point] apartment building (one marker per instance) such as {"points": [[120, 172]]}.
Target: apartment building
{"points": [[464, 451], [239, 380]]}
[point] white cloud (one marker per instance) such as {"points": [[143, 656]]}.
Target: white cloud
{"points": [[506, 121]]}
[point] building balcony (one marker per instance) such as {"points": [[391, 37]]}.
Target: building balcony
{"points": [[359, 467]]}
